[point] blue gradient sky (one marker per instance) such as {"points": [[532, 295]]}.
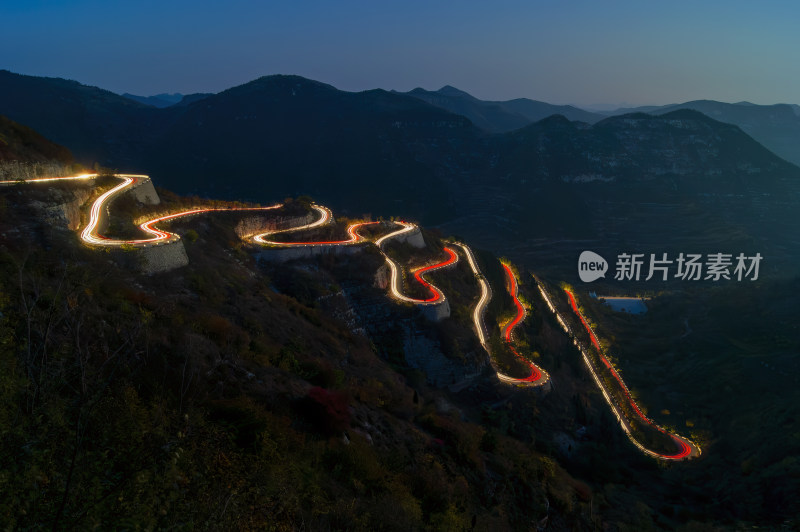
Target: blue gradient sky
{"points": [[560, 51]]}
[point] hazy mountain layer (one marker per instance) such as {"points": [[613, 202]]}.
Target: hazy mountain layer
{"points": [[627, 180], [775, 126], [499, 117]]}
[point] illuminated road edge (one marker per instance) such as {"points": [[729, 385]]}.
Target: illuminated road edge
{"points": [[100, 208], [325, 217], [477, 318], [688, 449], [394, 283], [538, 376]]}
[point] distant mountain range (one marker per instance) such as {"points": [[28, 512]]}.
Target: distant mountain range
{"points": [[158, 100], [775, 126], [499, 117], [166, 100], [389, 153]]}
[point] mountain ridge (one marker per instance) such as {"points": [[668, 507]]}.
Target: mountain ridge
{"points": [[777, 126], [499, 116]]}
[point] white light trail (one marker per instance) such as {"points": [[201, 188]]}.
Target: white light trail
{"points": [[477, 318], [394, 283], [100, 207], [325, 216]]}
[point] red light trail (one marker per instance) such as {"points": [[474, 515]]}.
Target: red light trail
{"points": [[538, 376], [684, 445], [537, 373], [437, 294]]}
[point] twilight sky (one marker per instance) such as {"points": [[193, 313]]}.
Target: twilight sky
{"points": [[560, 51]]}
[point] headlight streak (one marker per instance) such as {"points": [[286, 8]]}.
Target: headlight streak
{"points": [[538, 375], [394, 288], [437, 297], [688, 449], [49, 179], [477, 318], [483, 302], [325, 217], [100, 206]]}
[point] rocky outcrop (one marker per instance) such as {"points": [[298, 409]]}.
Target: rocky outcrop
{"points": [[253, 225], [424, 354], [413, 238], [63, 207], [162, 257], [382, 277], [278, 254], [436, 312], [145, 192]]}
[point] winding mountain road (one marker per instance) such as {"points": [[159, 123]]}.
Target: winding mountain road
{"points": [[538, 376], [685, 447], [99, 209]]}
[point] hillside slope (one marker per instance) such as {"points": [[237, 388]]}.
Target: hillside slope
{"points": [[23, 144], [230, 394]]}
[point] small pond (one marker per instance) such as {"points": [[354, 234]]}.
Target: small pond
{"points": [[631, 305]]}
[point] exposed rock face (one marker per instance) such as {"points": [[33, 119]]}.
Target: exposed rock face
{"points": [[413, 238], [64, 210], [162, 257], [145, 192], [306, 252], [382, 277], [72, 209], [253, 225], [424, 353], [436, 312]]}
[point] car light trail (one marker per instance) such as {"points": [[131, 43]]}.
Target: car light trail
{"points": [[50, 179], [325, 217], [486, 296], [352, 230], [159, 235], [452, 258], [538, 375], [394, 269], [687, 448], [100, 206], [477, 319]]}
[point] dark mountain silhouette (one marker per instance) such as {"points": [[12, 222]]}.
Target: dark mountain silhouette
{"points": [[638, 147], [282, 135], [775, 126], [157, 100], [502, 116], [191, 98], [394, 154], [96, 124], [653, 183], [23, 144], [167, 100]]}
